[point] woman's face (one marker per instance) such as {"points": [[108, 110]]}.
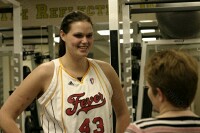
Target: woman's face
{"points": [[79, 40]]}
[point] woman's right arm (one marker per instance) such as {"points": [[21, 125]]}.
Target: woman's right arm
{"points": [[34, 84]]}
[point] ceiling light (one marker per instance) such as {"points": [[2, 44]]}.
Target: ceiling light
{"points": [[103, 32], [149, 39], [146, 21], [148, 31], [57, 39]]}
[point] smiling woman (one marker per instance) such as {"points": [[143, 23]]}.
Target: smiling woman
{"points": [[74, 92]]}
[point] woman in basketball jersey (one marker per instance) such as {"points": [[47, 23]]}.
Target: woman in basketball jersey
{"points": [[76, 94]]}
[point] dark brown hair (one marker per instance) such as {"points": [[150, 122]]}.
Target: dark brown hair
{"points": [[176, 74], [70, 18]]}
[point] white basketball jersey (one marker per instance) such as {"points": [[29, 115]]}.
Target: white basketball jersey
{"points": [[73, 106]]}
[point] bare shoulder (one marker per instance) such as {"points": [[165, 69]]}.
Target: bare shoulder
{"points": [[44, 73], [45, 69], [105, 66], [107, 69]]}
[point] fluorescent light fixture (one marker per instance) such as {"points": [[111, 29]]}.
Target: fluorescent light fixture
{"points": [[57, 39], [107, 32], [103, 32], [146, 21], [148, 31], [149, 39]]}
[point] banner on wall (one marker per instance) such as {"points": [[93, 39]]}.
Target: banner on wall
{"points": [[50, 12], [39, 13]]}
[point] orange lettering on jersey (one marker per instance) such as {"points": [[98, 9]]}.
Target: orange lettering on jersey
{"points": [[86, 104]]}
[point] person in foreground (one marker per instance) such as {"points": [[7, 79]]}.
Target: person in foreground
{"points": [[76, 93], [171, 78]]}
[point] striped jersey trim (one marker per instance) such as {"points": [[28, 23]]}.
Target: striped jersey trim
{"points": [[61, 79]]}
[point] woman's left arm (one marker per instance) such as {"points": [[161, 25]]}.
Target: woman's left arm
{"points": [[118, 99]]}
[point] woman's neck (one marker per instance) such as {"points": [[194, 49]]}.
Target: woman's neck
{"points": [[174, 112], [74, 62], [75, 67]]}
